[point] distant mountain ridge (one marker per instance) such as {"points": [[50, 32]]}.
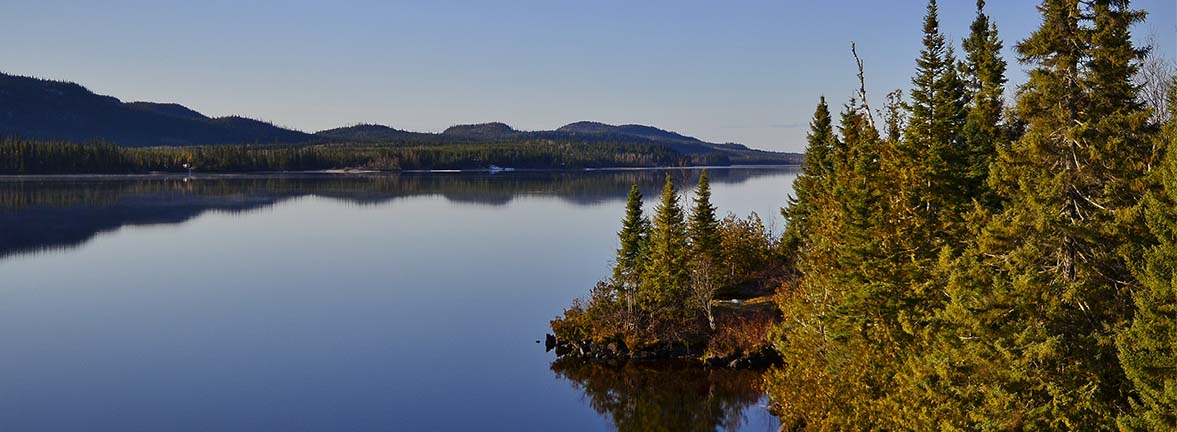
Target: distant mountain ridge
{"points": [[583, 131], [650, 132], [56, 110], [170, 109], [40, 109], [371, 133]]}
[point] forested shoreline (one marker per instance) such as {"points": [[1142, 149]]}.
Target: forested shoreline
{"points": [[27, 157], [958, 264]]}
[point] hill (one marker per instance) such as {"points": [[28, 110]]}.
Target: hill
{"points": [[46, 110], [56, 110], [582, 132]]}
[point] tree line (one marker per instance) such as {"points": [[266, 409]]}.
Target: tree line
{"points": [[972, 266], [22, 157]]}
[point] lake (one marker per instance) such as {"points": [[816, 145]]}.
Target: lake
{"points": [[335, 302]]}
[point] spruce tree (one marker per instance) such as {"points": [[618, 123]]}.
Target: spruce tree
{"points": [[703, 228], [1148, 348], [830, 339], [1026, 338], [665, 278], [928, 165], [984, 75], [949, 154], [924, 196], [631, 254], [706, 252], [895, 117], [813, 180]]}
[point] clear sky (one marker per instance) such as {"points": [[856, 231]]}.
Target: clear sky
{"points": [[739, 71]]}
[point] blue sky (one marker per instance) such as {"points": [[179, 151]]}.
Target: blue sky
{"points": [[739, 71]]}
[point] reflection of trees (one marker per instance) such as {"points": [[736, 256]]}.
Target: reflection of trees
{"points": [[582, 187], [36, 214], [664, 396]]}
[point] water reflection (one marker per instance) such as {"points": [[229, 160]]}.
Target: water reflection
{"points": [[60, 213], [665, 397], [389, 302]]}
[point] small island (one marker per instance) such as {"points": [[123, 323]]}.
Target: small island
{"points": [[684, 286]]}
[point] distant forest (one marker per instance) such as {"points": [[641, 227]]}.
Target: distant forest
{"points": [[25, 157]]}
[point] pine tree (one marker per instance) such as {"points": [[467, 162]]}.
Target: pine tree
{"points": [[984, 76], [949, 155], [928, 164], [631, 255], [1026, 341], [813, 180], [706, 275], [1148, 348], [634, 231], [665, 279], [830, 339], [924, 173], [703, 228]]}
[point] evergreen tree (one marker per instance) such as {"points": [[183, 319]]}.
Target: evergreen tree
{"points": [[949, 155], [703, 228], [928, 164], [834, 326], [813, 180], [631, 255], [706, 275], [1148, 348], [1027, 335], [984, 75], [665, 278], [634, 231], [924, 194]]}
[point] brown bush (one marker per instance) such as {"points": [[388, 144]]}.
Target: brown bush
{"points": [[741, 334]]}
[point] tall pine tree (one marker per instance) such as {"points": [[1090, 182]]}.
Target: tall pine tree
{"points": [[835, 368], [665, 279], [631, 254], [703, 227], [813, 180], [928, 165], [984, 75]]}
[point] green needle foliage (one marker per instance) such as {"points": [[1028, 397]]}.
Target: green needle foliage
{"points": [[1148, 348], [835, 332], [928, 166], [666, 275], [984, 76], [812, 181], [631, 255], [989, 270], [703, 226], [1035, 303]]}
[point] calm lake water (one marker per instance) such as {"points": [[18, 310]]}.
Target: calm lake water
{"points": [[331, 302]]}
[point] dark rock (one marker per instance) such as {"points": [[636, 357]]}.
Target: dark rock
{"points": [[549, 342]]}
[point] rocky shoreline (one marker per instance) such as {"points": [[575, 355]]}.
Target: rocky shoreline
{"points": [[614, 351]]}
